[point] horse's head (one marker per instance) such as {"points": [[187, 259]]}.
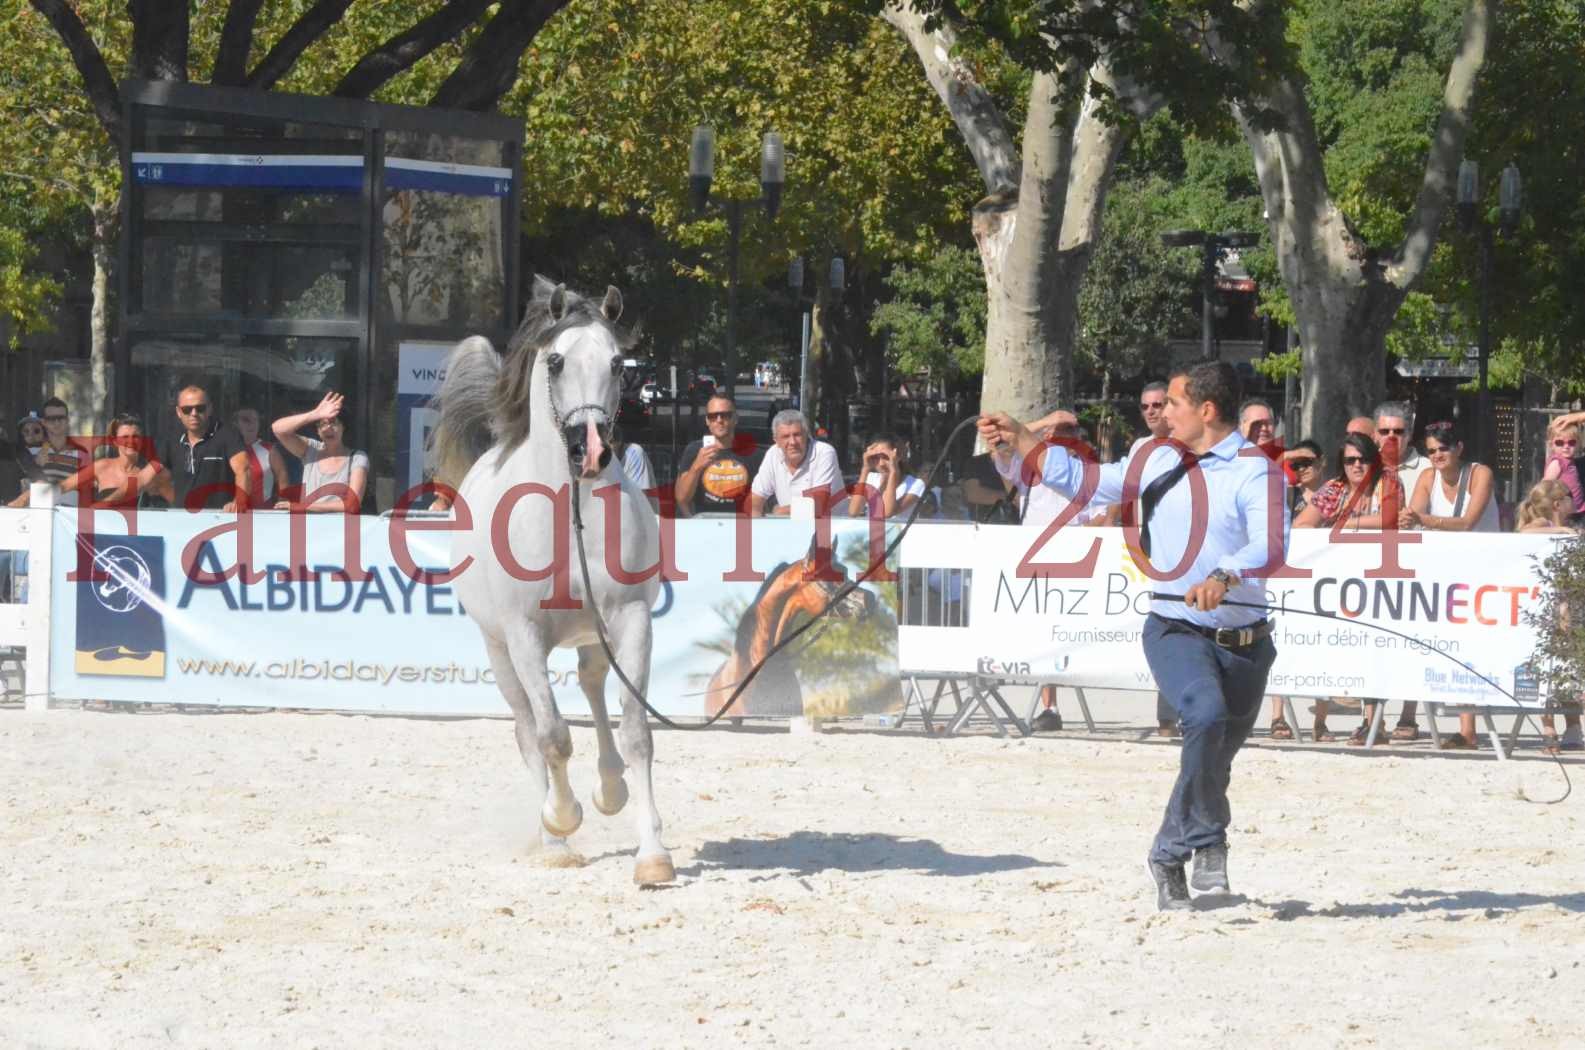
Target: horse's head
{"points": [[823, 577], [569, 351]]}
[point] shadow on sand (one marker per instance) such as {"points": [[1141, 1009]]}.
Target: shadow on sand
{"points": [[1458, 905], [810, 852]]}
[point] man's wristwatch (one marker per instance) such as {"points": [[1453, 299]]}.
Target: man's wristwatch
{"points": [[1223, 577]]}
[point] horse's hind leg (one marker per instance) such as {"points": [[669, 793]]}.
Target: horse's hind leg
{"points": [[631, 630], [561, 814], [610, 795], [527, 743]]}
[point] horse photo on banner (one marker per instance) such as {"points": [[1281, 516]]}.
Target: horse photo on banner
{"points": [[844, 666]]}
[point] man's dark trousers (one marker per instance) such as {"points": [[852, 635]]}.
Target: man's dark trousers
{"points": [[1216, 692]]}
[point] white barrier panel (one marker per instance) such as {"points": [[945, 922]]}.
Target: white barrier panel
{"points": [[149, 629], [25, 626], [1465, 594]]}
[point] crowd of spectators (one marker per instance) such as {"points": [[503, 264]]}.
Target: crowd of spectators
{"points": [[209, 462]]}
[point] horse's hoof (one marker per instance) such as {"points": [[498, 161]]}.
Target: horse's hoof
{"points": [[548, 818], [610, 803], [654, 871], [560, 856]]}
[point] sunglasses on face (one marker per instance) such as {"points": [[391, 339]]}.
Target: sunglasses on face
{"points": [[1152, 406], [1355, 461], [1303, 464], [719, 415], [192, 410], [1390, 431], [1437, 451], [1565, 443], [54, 419]]}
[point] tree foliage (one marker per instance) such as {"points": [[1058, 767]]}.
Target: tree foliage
{"points": [[611, 94], [934, 318]]}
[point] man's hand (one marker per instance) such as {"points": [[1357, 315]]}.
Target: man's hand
{"points": [[1001, 432], [1206, 595], [706, 456]]}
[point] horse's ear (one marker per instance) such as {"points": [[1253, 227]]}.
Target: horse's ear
{"points": [[543, 286], [611, 305], [558, 302]]}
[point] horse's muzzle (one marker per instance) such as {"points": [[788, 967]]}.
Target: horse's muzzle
{"points": [[588, 448]]}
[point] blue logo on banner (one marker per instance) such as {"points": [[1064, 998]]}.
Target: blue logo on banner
{"points": [[120, 626]]}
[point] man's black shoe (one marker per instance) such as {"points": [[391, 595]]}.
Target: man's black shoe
{"points": [[1210, 870], [1047, 721], [1172, 892]]}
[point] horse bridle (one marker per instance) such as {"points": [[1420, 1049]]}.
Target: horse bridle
{"points": [[559, 418]]}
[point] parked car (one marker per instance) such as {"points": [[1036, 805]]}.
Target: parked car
{"points": [[650, 392], [702, 387], [632, 414]]}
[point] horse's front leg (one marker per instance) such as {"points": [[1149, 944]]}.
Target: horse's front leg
{"points": [[556, 852], [630, 629], [610, 795], [561, 814]]}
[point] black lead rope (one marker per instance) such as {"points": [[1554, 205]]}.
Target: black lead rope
{"points": [[1427, 646], [842, 592]]}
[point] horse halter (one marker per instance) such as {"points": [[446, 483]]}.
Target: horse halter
{"points": [[559, 418]]}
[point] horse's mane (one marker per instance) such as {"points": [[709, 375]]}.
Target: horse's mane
{"points": [[510, 401]]}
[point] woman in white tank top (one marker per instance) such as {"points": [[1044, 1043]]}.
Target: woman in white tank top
{"points": [[1453, 496]]}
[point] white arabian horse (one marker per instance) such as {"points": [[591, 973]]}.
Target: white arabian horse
{"points": [[538, 416]]}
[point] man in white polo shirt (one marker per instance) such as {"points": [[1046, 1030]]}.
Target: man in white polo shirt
{"points": [[795, 467]]}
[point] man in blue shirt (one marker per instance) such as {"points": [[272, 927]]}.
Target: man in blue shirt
{"points": [[1214, 521]]}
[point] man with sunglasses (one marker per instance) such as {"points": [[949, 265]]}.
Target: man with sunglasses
{"points": [[721, 465], [206, 466], [1394, 436], [60, 457]]}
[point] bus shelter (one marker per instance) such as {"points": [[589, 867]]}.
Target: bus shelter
{"points": [[275, 247]]}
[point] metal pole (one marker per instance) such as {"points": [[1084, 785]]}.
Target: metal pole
{"points": [[675, 469], [803, 361], [1484, 453], [734, 224], [1207, 292]]}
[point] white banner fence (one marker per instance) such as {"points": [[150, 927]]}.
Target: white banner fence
{"points": [[966, 604]]}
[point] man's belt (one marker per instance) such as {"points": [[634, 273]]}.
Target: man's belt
{"points": [[1228, 637]]}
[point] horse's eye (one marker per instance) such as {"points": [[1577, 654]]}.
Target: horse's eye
{"points": [[554, 363], [616, 365]]}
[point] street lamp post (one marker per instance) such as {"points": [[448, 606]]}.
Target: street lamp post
{"points": [[836, 280], [772, 178], [1509, 195], [1213, 248]]}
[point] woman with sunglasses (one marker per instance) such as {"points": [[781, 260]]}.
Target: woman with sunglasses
{"points": [[1563, 457], [1362, 495], [118, 479], [1453, 496], [327, 460], [1305, 465]]}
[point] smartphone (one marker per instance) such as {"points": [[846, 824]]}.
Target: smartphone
{"points": [[708, 441]]}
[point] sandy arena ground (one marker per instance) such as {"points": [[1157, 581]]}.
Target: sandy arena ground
{"points": [[293, 880]]}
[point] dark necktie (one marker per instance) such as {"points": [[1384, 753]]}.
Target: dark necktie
{"points": [[1157, 489]]}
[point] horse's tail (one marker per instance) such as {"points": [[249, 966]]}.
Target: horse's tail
{"points": [[463, 432]]}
